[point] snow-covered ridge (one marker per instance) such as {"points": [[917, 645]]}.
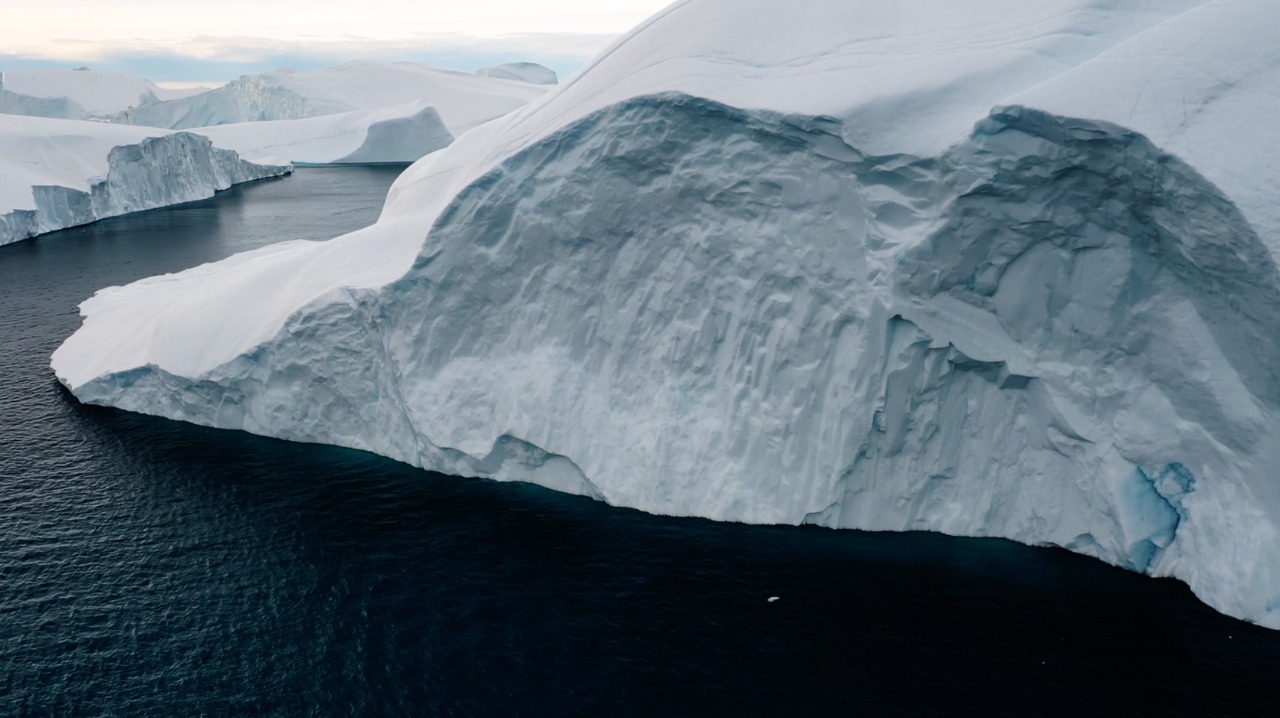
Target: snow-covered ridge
{"points": [[462, 100], [998, 270], [56, 174], [78, 94]]}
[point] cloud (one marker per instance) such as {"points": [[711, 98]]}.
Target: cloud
{"points": [[202, 58]]}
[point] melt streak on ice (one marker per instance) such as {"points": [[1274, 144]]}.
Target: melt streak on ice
{"points": [[991, 269]]}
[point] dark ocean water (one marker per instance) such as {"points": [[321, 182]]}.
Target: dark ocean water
{"points": [[150, 568]]}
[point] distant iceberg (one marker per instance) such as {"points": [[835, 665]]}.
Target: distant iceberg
{"points": [[462, 100], [992, 269], [400, 134], [530, 72], [56, 174], [79, 94]]}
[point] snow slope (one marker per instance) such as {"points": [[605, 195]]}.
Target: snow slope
{"points": [[395, 134], [463, 100], [78, 94], [998, 269], [62, 173], [530, 72]]}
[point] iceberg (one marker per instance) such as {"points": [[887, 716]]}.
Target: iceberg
{"points": [[392, 135], [463, 100], [1000, 269], [530, 72], [79, 94], [56, 174]]}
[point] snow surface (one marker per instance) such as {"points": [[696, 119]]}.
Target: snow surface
{"points": [[463, 100], [62, 173], [394, 134], [998, 269], [79, 94], [530, 72]]}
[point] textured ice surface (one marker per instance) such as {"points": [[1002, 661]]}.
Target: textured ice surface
{"points": [[77, 94], [395, 134], [63, 173], [530, 72], [1004, 269], [463, 100]]}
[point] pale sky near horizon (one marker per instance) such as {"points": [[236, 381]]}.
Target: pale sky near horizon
{"points": [[221, 35]]}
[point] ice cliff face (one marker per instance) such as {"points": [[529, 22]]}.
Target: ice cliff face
{"points": [[692, 283], [151, 172]]}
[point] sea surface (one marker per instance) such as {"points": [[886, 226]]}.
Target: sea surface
{"points": [[152, 568]]}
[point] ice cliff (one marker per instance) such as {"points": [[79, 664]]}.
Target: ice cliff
{"points": [[56, 174], [998, 269]]}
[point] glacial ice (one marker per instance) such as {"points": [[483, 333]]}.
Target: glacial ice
{"points": [[78, 94], [56, 174], [463, 100], [395, 134], [530, 72], [996, 270]]}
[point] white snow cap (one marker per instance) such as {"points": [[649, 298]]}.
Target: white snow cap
{"points": [[998, 268]]}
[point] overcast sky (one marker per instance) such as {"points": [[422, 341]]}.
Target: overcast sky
{"points": [[222, 39]]}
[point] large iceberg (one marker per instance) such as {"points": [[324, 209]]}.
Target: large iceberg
{"points": [[394, 134], [991, 269], [463, 100], [56, 174], [79, 94]]}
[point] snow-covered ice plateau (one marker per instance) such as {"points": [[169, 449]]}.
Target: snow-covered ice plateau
{"points": [[56, 174], [990, 269], [462, 100]]}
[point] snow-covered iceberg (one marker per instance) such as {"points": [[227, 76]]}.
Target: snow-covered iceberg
{"points": [[79, 94], [394, 134], [56, 174], [463, 100], [530, 72], [992, 269]]}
